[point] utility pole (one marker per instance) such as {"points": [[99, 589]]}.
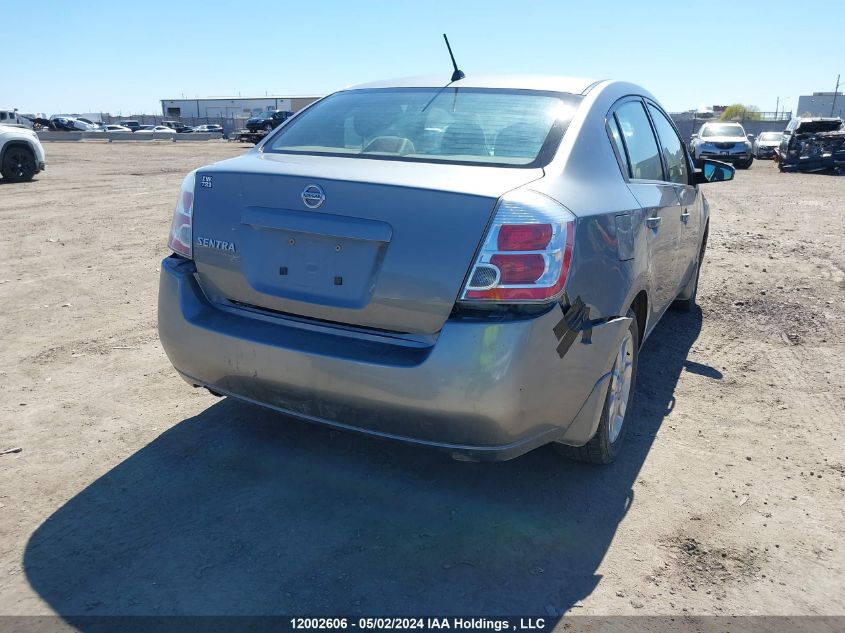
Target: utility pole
{"points": [[777, 108], [835, 92]]}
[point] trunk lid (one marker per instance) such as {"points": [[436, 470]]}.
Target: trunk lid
{"points": [[388, 248]]}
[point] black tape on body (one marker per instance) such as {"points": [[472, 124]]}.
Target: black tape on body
{"points": [[575, 320]]}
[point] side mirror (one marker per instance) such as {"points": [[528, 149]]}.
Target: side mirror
{"points": [[693, 137], [750, 137], [714, 171]]}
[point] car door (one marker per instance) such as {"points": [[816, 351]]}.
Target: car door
{"points": [[637, 145], [676, 165]]}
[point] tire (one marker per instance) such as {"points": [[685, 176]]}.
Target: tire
{"points": [[688, 304], [606, 444], [18, 164], [745, 164]]}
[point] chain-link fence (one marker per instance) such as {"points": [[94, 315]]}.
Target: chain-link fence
{"points": [[754, 122]]}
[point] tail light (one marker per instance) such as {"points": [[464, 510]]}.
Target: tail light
{"points": [[181, 232], [526, 253]]}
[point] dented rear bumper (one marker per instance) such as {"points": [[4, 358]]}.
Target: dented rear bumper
{"points": [[481, 390]]}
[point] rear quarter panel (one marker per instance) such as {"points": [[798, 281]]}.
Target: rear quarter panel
{"points": [[585, 177]]}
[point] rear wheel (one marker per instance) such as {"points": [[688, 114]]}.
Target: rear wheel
{"points": [[613, 425], [18, 164], [691, 290]]}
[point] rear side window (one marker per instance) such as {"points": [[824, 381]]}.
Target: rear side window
{"points": [[643, 155], [672, 148], [617, 141]]}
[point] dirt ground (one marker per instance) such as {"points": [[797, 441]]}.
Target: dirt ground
{"points": [[135, 494]]}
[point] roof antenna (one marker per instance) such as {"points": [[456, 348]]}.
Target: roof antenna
{"points": [[458, 74]]}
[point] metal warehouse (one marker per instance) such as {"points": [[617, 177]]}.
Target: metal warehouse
{"points": [[231, 107]]}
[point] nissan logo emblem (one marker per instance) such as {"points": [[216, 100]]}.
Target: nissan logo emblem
{"points": [[313, 196]]}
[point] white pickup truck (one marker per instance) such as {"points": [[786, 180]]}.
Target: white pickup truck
{"points": [[21, 154]]}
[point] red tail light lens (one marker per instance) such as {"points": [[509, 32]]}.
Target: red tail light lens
{"points": [[181, 229], [519, 269], [526, 253], [524, 237]]}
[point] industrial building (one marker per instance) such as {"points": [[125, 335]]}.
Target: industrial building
{"points": [[822, 104], [230, 107]]}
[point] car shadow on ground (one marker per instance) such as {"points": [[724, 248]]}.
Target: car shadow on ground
{"points": [[242, 511]]}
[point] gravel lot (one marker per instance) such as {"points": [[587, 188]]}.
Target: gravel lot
{"points": [[135, 494]]}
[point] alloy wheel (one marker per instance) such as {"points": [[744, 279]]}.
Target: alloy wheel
{"points": [[620, 387]]}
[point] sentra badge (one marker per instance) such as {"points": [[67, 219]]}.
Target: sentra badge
{"points": [[220, 245]]}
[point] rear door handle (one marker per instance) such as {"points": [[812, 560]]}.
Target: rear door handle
{"points": [[653, 222]]}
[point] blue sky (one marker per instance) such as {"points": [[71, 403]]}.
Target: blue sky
{"points": [[101, 56]]}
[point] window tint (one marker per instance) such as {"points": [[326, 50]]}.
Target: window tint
{"points": [[643, 155], [673, 150]]}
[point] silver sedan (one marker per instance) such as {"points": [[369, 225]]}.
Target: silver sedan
{"points": [[471, 265]]}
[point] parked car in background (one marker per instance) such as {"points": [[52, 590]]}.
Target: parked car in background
{"points": [[21, 154], [723, 141], [130, 123], [474, 269], [812, 144], [209, 128], [155, 129], [766, 143], [268, 120], [12, 117], [178, 126], [116, 128], [87, 125], [64, 123]]}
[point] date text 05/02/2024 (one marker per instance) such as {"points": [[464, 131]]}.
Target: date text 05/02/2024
{"points": [[419, 624]]}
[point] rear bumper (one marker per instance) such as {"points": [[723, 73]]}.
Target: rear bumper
{"points": [[483, 390]]}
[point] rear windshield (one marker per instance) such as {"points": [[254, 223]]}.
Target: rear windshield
{"points": [[450, 125], [770, 136]]}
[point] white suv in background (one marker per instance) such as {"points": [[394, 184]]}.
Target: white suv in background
{"points": [[21, 154], [724, 141]]}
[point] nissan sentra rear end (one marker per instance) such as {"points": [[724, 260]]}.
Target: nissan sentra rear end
{"points": [[381, 263]]}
